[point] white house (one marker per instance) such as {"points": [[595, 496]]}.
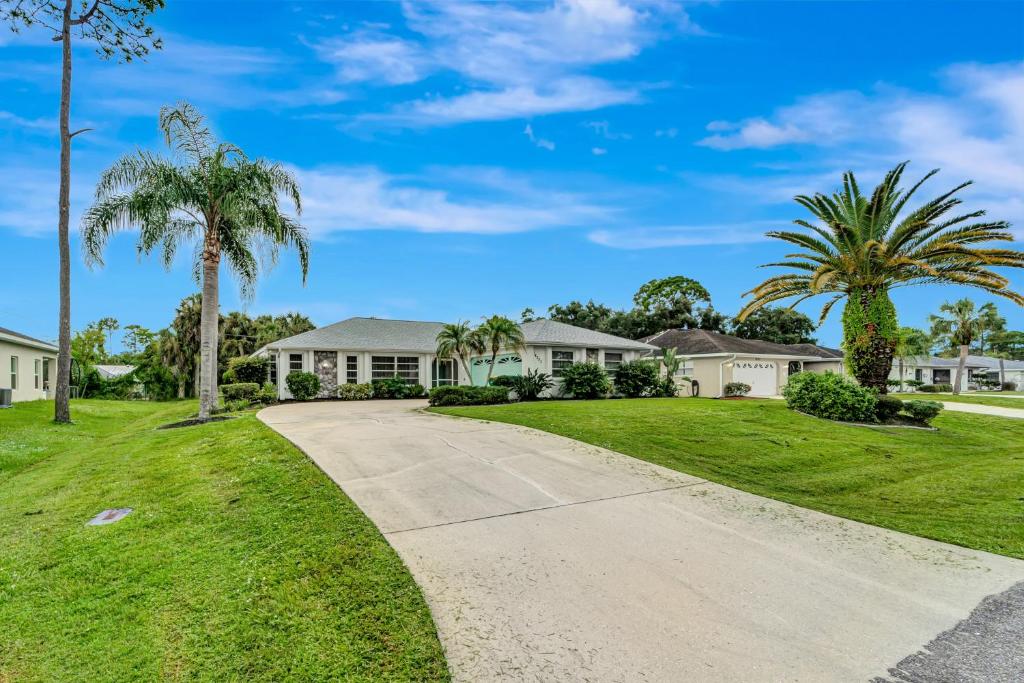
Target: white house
{"points": [[934, 370], [999, 369], [713, 360], [26, 365], [360, 350]]}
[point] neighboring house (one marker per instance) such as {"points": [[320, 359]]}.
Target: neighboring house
{"points": [[26, 365], [999, 369], [934, 370], [360, 350], [713, 360]]}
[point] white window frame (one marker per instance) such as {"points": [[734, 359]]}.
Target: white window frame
{"points": [[612, 365], [406, 367], [351, 369], [37, 367], [559, 364], [14, 372], [291, 362], [272, 369]]}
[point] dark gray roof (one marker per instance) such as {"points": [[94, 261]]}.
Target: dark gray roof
{"points": [[24, 338], [703, 342], [993, 363], [936, 362], [377, 334]]}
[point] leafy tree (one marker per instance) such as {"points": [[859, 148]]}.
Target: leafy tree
{"points": [[670, 295], [590, 315], [528, 315], [459, 339], [911, 342], [959, 327], [211, 192], [777, 324], [497, 333], [88, 346], [991, 323], [118, 30], [863, 247], [179, 345], [273, 328], [1009, 344], [137, 339]]}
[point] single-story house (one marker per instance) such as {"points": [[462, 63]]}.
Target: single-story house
{"points": [[998, 369], [713, 360], [360, 350], [26, 365], [934, 370]]}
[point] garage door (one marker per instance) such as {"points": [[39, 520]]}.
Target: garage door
{"points": [[759, 374]]}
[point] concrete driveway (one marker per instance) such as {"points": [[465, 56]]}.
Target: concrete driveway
{"points": [[981, 409], [544, 559]]}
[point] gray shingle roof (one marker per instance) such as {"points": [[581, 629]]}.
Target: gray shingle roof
{"points": [[936, 362], [377, 334], [24, 338], [701, 342], [993, 363]]}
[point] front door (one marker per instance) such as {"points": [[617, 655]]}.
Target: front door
{"points": [[445, 372]]}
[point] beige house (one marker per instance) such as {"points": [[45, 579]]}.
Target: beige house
{"points": [[713, 360], [26, 366]]}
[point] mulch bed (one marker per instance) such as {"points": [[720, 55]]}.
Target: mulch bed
{"points": [[196, 421]]}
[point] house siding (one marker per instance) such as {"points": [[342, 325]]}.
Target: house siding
{"points": [[27, 356]]}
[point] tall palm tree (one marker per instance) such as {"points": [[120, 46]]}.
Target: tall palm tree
{"points": [[497, 333], [210, 194], [911, 343], [991, 321], [461, 340], [861, 248], [960, 325]]}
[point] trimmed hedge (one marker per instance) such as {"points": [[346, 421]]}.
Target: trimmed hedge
{"points": [[304, 386], [830, 396], [395, 387], [924, 411], [248, 369], [887, 408], [637, 378], [467, 396], [586, 381], [737, 389], [241, 391], [355, 392], [936, 388]]}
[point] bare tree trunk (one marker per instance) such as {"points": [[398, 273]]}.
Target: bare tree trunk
{"points": [[208, 338], [901, 374], [960, 368], [62, 391], [1002, 375]]}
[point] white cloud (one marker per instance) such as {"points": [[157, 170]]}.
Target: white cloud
{"points": [[669, 132], [604, 129], [371, 57], [39, 125], [539, 142], [683, 235], [598, 151]]}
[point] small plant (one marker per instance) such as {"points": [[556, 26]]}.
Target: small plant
{"points": [[248, 369], [527, 387], [914, 383], [737, 389], [637, 378], [355, 392], [268, 394], [1009, 386], [236, 406], [586, 381], [922, 411], [893, 383], [392, 387], [666, 388], [242, 391], [414, 391], [304, 386], [467, 396], [935, 388], [887, 408], [830, 396]]}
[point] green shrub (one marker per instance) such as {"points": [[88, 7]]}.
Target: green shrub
{"points": [[392, 387], [467, 396], [893, 383], [923, 411], [914, 383], [936, 388], [242, 391], [528, 387], [830, 396], [355, 392], [268, 394], [236, 406], [737, 389], [887, 408], [586, 381], [247, 369], [1009, 386], [415, 391], [637, 378], [303, 386], [666, 388]]}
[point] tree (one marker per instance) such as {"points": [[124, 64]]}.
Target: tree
{"points": [[89, 346], [273, 328], [459, 339], [671, 362], [777, 324], [497, 333], [991, 322], [179, 345], [137, 339], [216, 194], [959, 327], [910, 343], [861, 248], [1009, 344], [528, 315], [118, 29]]}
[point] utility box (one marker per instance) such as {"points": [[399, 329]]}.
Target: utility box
{"points": [[5, 398]]}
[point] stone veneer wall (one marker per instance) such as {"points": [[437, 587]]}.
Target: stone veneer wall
{"points": [[325, 364]]}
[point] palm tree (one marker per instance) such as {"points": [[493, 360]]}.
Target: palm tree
{"points": [[910, 343], [461, 340], [961, 325], [991, 321], [211, 194], [671, 362], [861, 248], [497, 333]]}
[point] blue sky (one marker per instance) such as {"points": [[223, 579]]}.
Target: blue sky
{"points": [[459, 160]]}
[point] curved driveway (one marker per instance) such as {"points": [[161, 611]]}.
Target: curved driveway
{"points": [[544, 559]]}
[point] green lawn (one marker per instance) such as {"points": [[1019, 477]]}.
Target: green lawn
{"points": [[963, 484], [980, 399], [241, 562]]}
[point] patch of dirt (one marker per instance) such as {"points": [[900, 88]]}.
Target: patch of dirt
{"points": [[196, 421]]}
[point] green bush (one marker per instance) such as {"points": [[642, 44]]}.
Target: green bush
{"points": [[528, 387], [467, 396], [887, 408], [1009, 386], [637, 378], [355, 392], [268, 394], [666, 388], [242, 391], [737, 389], [247, 369], [414, 391], [392, 387], [586, 381], [303, 386], [236, 406], [830, 396], [935, 388], [923, 411], [915, 383]]}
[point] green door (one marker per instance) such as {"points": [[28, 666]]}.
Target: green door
{"points": [[504, 364]]}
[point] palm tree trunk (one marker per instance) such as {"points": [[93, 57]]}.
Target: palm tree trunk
{"points": [[490, 368], [208, 338], [960, 368], [465, 366], [62, 392]]}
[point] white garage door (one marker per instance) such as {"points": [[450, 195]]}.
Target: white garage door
{"points": [[759, 374]]}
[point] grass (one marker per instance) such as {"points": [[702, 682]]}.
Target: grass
{"points": [[979, 399], [242, 561], [962, 484]]}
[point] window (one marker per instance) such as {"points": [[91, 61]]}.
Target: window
{"points": [[38, 368], [46, 374], [294, 362], [14, 372], [592, 355], [272, 369], [919, 375], [560, 360], [444, 372], [409, 369], [385, 367], [352, 369], [612, 360]]}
